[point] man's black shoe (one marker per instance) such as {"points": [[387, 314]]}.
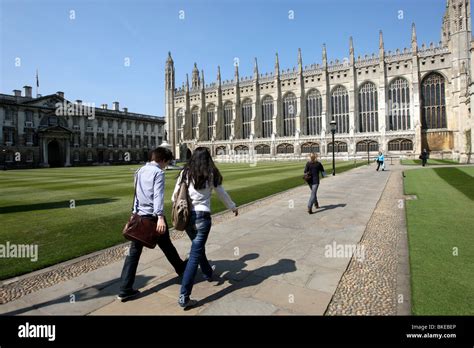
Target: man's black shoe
{"points": [[129, 296]]}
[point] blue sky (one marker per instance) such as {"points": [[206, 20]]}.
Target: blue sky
{"points": [[85, 57]]}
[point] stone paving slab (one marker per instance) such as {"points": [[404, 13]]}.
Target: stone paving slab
{"points": [[234, 304], [295, 298], [262, 257]]}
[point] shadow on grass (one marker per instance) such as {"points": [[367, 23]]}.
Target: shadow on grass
{"points": [[458, 179], [54, 205]]}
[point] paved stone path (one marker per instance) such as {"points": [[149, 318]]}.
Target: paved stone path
{"points": [[273, 258]]}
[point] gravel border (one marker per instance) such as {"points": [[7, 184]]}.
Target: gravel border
{"points": [[374, 286]]}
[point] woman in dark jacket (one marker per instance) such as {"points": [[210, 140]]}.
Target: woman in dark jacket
{"points": [[313, 167]]}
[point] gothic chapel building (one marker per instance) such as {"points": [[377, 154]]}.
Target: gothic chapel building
{"points": [[396, 102]]}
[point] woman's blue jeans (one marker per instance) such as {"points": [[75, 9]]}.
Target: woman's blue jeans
{"points": [[198, 231], [313, 199]]}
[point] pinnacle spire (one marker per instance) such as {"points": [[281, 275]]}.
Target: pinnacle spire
{"points": [[300, 61], [277, 65], [325, 56], [414, 44]]}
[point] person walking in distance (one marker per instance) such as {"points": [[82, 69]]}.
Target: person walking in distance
{"points": [[202, 176], [380, 161], [313, 167], [424, 157], [149, 203]]}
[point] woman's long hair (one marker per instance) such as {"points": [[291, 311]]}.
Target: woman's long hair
{"points": [[201, 169]]}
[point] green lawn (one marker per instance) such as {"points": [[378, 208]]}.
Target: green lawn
{"points": [[430, 162], [440, 225], [35, 205]]}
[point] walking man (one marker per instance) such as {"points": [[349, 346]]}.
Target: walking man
{"points": [[149, 203]]}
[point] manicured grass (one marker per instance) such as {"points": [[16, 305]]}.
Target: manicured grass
{"points": [[430, 162], [441, 240], [35, 205]]}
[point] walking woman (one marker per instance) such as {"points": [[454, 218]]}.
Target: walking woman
{"points": [[313, 167], [380, 161], [202, 177]]}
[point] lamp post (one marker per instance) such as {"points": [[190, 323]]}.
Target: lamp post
{"points": [[333, 131], [367, 143]]}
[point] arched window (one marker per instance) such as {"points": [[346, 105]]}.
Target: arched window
{"points": [[400, 145], [289, 115], [340, 108], [267, 117], [241, 150], [76, 156], [340, 147], [89, 156], [194, 122], [111, 156], [314, 110], [368, 108], [310, 147], [228, 120], [210, 121], [179, 123], [262, 149], [361, 146], [221, 150], [246, 118], [285, 148], [433, 110], [398, 105]]}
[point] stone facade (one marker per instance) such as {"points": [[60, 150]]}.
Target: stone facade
{"points": [[396, 102], [51, 131]]}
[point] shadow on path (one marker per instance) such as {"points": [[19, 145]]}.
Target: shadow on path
{"points": [[92, 292], [330, 206], [238, 277]]}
